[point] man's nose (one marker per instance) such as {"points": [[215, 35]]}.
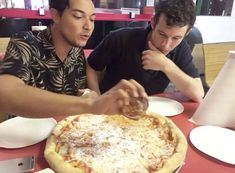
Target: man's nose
{"points": [[88, 25], [166, 44]]}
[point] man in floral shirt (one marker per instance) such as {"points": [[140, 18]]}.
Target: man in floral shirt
{"points": [[43, 71]]}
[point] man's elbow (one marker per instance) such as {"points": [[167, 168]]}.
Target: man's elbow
{"points": [[198, 96]]}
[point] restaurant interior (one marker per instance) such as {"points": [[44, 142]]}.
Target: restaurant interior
{"points": [[208, 126]]}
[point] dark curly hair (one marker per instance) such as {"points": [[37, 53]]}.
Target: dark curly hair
{"points": [[59, 5], [178, 12]]}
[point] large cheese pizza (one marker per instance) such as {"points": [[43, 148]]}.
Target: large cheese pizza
{"points": [[114, 143]]}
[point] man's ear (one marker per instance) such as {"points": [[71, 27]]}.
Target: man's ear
{"points": [[55, 15]]}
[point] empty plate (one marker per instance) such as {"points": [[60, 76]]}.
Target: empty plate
{"points": [[164, 106], [20, 132], [215, 141]]}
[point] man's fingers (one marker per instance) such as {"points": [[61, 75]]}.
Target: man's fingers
{"points": [[125, 85], [133, 88], [121, 94], [117, 95], [140, 89]]}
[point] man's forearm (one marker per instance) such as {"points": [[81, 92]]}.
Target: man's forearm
{"points": [[20, 99], [188, 86]]}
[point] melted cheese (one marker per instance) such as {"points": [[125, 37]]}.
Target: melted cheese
{"points": [[108, 147]]}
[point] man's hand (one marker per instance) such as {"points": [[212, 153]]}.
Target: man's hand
{"points": [[113, 100], [153, 59]]}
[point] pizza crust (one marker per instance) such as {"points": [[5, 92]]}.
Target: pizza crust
{"points": [[58, 164], [178, 157]]}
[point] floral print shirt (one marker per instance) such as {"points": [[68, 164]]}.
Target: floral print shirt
{"points": [[31, 57]]}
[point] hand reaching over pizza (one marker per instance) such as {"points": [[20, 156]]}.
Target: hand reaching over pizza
{"points": [[136, 108], [114, 143]]}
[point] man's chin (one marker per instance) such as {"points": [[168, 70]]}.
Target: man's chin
{"points": [[80, 44]]}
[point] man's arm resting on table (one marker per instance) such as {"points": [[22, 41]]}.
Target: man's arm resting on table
{"points": [[188, 86], [93, 78], [20, 99]]}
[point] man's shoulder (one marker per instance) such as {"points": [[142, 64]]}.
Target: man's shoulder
{"points": [[24, 35], [27, 37]]}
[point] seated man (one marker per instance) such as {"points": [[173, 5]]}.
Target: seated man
{"points": [[153, 56], [43, 71]]}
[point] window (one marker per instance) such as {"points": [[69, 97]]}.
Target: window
{"points": [[214, 7]]}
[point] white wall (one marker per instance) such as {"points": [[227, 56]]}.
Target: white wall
{"points": [[217, 28]]}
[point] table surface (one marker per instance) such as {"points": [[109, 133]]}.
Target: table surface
{"points": [[195, 161]]}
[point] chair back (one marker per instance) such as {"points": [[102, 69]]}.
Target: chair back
{"points": [[215, 55], [194, 37]]}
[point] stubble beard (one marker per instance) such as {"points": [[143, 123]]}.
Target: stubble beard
{"points": [[71, 42]]}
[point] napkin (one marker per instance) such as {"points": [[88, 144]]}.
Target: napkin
{"points": [[218, 106]]}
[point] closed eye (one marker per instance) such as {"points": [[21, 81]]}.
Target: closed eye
{"points": [[163, 35], [77, 17], [177, 38]]}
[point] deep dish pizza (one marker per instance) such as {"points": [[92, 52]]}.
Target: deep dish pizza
{"points": [[113, 143]]}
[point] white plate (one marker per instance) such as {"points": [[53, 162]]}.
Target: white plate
{"points": [[215, 141], [164, 106], [21, 132]]}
